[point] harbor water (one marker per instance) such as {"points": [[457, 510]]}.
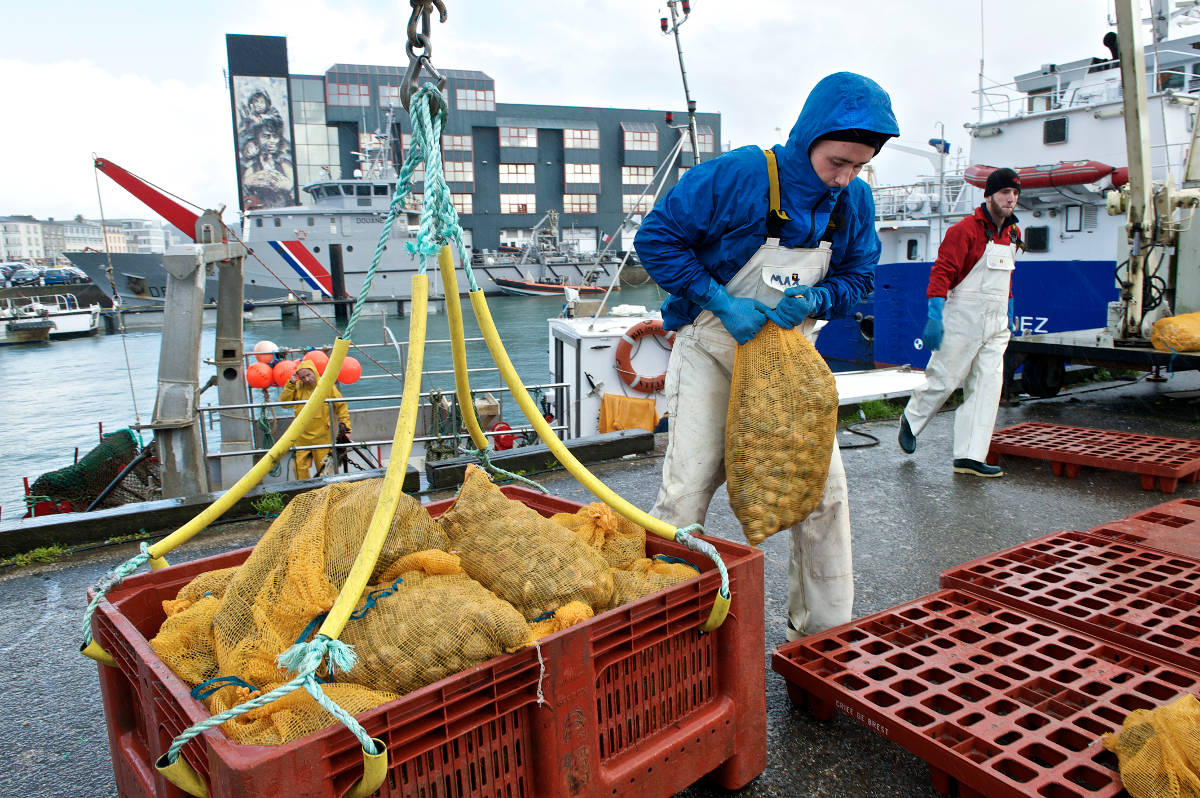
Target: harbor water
{"points": [[56, 396]]}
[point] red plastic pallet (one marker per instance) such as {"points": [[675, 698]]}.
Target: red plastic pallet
{"points": [[633, 701], [1002, 702], [1164, 461], [1173, 527], [1143, 599]]}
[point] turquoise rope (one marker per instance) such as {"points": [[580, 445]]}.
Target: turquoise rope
{"points": [[205, 689], [684, 536], [374, 596], [114, 577], [675, 560]]}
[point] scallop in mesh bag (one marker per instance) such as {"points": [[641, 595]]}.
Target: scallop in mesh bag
{"points": [[528, 560], [1159, 750], [779, 431]]}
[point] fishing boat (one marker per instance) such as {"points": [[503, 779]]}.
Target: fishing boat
{"points": [[1061, 127], [536, 288]]}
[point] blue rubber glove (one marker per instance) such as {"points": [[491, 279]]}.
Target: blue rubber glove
{"points": [[934, 329], [742, 317], [1012, 319], [801, 301]]}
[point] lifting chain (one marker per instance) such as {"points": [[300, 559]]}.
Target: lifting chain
{"points": [[422, 11]]}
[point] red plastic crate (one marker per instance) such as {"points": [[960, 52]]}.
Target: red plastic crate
{"points": [[636, 700], [1002, 702], [1173, 526], [1133, 596], [1160, 460]]}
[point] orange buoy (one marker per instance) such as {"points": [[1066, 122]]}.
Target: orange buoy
{"points": [[350, 372], [318, 358], [258, 375], [284, 370], [265, 351]]}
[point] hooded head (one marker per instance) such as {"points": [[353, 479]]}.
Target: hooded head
{"points": [[841, 107]]}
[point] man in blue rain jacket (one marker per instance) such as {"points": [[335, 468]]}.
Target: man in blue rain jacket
{"points": [[714, 242]]}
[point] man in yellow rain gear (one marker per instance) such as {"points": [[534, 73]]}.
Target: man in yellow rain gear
{"points": [[299, 388]]}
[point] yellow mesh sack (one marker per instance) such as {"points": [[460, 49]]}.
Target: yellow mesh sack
{"points": [[1159, 750], [779, 431], [1177, 333], [648, 576], [620, 541], [565, 616], [290, 717], [266, 604], [424, 627], [529, 561]]}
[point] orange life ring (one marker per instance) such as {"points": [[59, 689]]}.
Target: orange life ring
{"points": [[624, 356], [301, 235]]}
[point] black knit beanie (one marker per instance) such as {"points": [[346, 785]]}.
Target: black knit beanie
{"points": [[856, 135], [1001, 179]]}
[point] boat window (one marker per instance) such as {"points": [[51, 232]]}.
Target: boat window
{"points": [[348, 190], [380, 190], [349, 247], [913, 249], [1037, 239], [317, 249], [258, 222], [1054, 131], [1194, 80], [363, 191], [1172, 79], [311, 221], [1073, 222], [278, 222]]}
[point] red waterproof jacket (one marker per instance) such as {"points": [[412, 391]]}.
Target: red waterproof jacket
{"points": [[963, 246]]}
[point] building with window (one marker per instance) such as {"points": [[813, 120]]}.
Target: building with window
{"points": [[21, 239], [507, 164]]}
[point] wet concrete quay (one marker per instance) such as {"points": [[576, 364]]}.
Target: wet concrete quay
{"points": [[911, 517]]}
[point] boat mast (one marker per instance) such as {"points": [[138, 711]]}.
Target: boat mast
{"points": [[673, 28]]}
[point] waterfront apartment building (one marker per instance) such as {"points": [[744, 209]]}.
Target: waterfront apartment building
{"points": [[507, 164], [21, 239]]}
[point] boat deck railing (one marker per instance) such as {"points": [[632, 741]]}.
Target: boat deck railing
{"points": [[920, 200]]}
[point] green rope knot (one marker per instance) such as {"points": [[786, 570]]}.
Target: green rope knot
{"points": [[304, 659]]}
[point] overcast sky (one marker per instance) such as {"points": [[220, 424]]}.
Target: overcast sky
{"points": [[141, 82]]}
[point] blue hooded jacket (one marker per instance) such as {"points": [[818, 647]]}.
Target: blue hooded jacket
{"points": [[711, 222]]}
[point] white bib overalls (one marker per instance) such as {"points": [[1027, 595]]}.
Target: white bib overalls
{"points": [[820, 569], [971, 354]]}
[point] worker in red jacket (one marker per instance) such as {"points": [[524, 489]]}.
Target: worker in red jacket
{"points": [[970, 319]]}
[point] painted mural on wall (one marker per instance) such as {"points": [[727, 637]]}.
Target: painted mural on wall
{"points": [[266, 164]]}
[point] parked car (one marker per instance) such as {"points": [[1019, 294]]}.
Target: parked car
{"points": [[64, 275], [6, 270], [26, 275]]}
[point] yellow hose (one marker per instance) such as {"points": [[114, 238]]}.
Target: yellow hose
{"points": [[563, 454], [181, 774], [374, 771], [314, 405], [397, 468], [458, 348]]}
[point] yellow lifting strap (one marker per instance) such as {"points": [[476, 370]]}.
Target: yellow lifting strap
{"points": [[773, 180]]}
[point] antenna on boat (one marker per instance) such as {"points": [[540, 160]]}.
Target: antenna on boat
{"points": [[673, 28]]}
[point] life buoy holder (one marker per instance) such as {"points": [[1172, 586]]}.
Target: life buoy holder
{"points": [[301, 235], [502, 442], [624, 356]]}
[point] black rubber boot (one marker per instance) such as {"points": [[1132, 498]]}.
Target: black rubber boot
{"points": [[906, 439], [965, 466]]}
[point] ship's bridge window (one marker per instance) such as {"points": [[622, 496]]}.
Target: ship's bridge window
{"points": [[914, 249], [363, 191], [258, 222], [1037, 239], [1170, 79], [348, 190], [380, 190], [1073, 222]]}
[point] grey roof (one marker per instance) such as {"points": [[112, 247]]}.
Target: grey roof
{"points": [[644, 127], [546, 124]]}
